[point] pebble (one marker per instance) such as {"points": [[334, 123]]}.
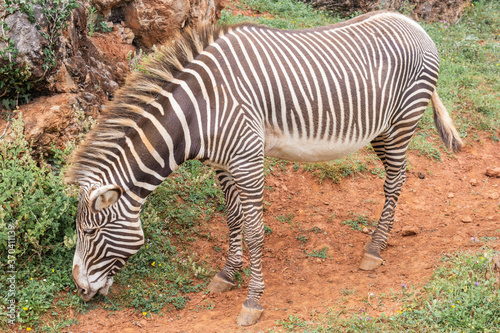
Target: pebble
{"points": [[409, 231], [493, 172], [473, 182], [494, 195], [466, 219], [365, 230], [451, 195]]}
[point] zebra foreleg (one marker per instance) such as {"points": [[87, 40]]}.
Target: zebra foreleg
{"points": [[223, 281], [249, 180], [395, 166]]}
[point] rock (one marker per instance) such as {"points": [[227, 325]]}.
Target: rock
{"points": [[421, 175], [63, 81], [451, 195], [105, 6], [409, 231], [466, 219], [473, 182], [365, 230], [51, 121], [27, 40], [493, 195], [152, 22], [493, 172]]}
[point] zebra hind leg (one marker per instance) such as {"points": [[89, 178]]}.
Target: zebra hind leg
{"points": [[223, 281], [393, 156]]}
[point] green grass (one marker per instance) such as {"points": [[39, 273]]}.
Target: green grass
{"points": [[285, 14], [458, 298], [469, 81]]}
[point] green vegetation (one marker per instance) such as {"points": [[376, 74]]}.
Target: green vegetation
{"points": [[95, 22], [318, 253], [460, 297], [469, 81], [14, 77], [283, 14], [356, 163], [285, 218], [360, 221]]}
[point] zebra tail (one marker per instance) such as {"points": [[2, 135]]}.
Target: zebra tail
{"points": [[444, 125]]}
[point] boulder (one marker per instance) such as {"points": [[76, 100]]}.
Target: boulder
{"points": [[155, 20], [27, 40], [152, 22]]}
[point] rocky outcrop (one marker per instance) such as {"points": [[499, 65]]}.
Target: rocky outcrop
{"points": [[427, 10], [154, 21]]}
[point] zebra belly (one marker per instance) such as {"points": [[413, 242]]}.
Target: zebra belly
{"points": [[309, 150]]}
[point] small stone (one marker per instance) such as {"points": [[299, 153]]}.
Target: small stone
{"points": [[494, 195], [473, 182], [493, 172], [421, 175], [365, 230], [466, 219], [409, 231], [451, 195]]}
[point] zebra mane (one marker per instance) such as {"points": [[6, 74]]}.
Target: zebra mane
{"points": [[140, 89]]}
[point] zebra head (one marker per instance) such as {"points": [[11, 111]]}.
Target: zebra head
{"points": [[108, 234]]}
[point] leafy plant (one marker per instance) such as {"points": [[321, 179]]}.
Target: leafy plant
{"points": [[95, 22], [285, 218], [360, 221], [318, 253]]}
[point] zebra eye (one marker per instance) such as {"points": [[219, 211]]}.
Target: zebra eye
{"points": [[89, 232]]}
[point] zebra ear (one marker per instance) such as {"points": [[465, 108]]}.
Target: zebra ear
{"points": [[104, 197]]}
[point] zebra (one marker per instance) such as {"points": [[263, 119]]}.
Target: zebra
{"points": [[230, 95]]}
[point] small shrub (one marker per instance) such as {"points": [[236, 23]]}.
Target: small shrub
{"points": [[360, 221], [318, 253]]}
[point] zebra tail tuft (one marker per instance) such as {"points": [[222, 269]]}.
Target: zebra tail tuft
{"points": [[444, 125]]}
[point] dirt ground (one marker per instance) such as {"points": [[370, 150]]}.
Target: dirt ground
{"points": [[455, 202]]}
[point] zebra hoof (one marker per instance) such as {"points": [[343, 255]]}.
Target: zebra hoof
{"points": [[370, 262], [250, 313], [220, 284]]}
